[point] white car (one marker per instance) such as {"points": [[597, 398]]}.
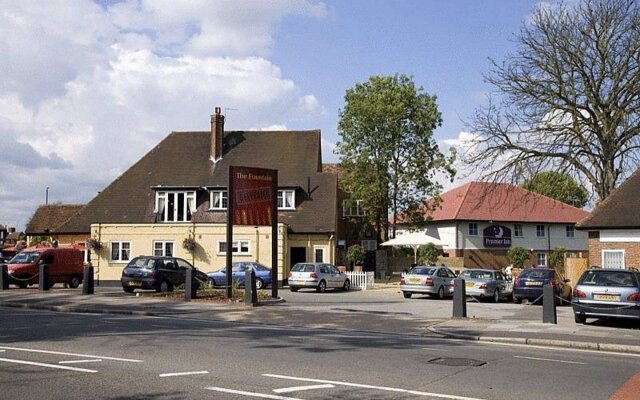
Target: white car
{"points": [[318, 276], [431, 280]]}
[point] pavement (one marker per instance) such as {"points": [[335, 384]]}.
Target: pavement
{"points": [[381, 310]]}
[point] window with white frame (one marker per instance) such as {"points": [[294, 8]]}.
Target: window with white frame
{"points": [[571, 232], [218, 200], [540, 231], [286, 199], [369, 245], [318, 254], [120, 251], [613, 258], [240, 247], [517, 230], [86, 253], [163, 248], [473, 229], [174, 206], [542, 259], [352, 208]]}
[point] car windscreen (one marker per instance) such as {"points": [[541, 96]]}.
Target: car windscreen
{"points": [[141, 262], [537, 273], [303, 268], [26, 257], [608, 278], [422, 271]]}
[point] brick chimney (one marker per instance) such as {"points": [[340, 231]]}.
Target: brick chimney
{"points": [[217, 135]]}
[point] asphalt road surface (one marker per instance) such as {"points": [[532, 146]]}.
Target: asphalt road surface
{"points": [[48, 355]]}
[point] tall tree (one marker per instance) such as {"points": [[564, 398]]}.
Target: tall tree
{"points": [[388, 156], [559, 186], [568, 99]]}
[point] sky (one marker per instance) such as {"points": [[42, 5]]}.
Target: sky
{"points": [[88, 87]]}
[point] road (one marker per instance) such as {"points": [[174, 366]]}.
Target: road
{"points": [[48, 355]]}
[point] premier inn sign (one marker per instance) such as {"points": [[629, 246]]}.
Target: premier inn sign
{"points": [[497, 236]]}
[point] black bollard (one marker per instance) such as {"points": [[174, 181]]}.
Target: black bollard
{"points": [[190, 285], [549, 314], [459, 298], [87, 280], [43, 277], [4, 277], [250, 291]]}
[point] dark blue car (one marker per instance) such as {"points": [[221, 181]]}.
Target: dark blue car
{"points": [[263, 274]]}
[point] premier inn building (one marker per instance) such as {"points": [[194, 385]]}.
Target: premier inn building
{"points": [[479, 222]]}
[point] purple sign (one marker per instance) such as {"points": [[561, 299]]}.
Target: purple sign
{"points": [[497, 236]]}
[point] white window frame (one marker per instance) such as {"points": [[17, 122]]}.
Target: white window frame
{"points": [[473, 226], [352, 208], [369, 245], [188, 207], [220, 194], [121, 254], [323, 250], [543, 257], [571, 231], [164, 244], [539, 230], [286, 194], [237, 247], [613, 251], [518, 228]]}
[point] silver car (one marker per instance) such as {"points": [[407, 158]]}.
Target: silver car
{"points": [[486, 283], [607, 293], [319, 276], [431, 280]]}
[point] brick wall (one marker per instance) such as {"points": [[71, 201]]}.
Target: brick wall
{"points": [[631, 252]]}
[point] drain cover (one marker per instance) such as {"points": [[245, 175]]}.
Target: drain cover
{"points": [[457, 362]]}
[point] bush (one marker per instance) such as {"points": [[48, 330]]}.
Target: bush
{"points": [[518, 256], [428, 254], [355, 254]]}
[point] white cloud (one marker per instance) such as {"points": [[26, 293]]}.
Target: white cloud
{"points": [[82, 83]]}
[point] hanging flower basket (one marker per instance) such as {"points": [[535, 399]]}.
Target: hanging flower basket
{"points": [[94, 244], [189, 243]]}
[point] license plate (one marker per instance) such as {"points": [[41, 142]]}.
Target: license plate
{"points": [[415, 280], [135, 283], [470, 284], [607, 297], [533, 283]]}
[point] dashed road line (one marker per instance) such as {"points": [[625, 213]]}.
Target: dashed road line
{"points": [[68, 354], [183, 373], [47, 365], [79, 361], [301, 388], [251, 394], [550, 360]]}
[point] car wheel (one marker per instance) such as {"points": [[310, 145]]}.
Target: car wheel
{"points": [[441, 293], [259, 283], [74, 282], [164, 287], [212, 282], [22, 284], [580, 318], [347, 286], [496, 296], [322, 286], [407, 295], [293, 288], [517, 300], [128, 289]]}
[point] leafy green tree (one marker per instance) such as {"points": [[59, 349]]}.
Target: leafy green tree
{"points": [[556, 259], [568, 98], [428, 254], [388, 157], [559, 186], [355, 254], [518, 256]]}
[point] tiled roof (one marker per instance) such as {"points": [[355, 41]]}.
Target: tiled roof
{"points": [[619, 210], [485, 201], [182, 160], [47, 218]]}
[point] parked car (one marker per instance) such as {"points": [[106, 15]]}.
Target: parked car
{"points": [[528, 285], [431, 280], [65, 265], [319, 276], [486, 283], [607, 293], [238, 270], [159, 273]]}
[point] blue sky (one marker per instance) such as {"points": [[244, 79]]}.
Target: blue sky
{"points": [[88, 88]]}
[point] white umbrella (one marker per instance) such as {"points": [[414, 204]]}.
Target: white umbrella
{"points": [[415, 240]]}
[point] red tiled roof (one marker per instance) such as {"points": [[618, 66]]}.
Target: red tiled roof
{"points": [[485, 201]]}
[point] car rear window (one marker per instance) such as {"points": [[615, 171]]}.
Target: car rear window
{"points": [[608, 278], [422, 271], [141, 263], [303, 268], [537, 273], [486, 275]]}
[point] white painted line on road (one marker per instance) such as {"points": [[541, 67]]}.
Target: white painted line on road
{"points": [[79, 361], [183, 373], [251, 394], [60, 353], [47, 365], [549, 359], [301, 388], [384, 388]]}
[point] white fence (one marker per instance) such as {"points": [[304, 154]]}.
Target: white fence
{"points": [[361, 280]]}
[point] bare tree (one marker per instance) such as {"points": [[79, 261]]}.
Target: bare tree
{"points": [[568, 100]]}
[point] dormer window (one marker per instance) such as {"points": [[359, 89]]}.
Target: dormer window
{"points": [[218, 200], [286, 199], [175, 206]]}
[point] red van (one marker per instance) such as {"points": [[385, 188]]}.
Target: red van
{"points": [[65, 266]]}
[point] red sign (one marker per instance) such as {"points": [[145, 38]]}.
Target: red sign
{"points": [[254, 191]]}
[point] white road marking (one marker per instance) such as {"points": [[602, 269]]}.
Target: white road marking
{"points": [[68, 354], [549, 359], [79, 361], [384, 388], [301, 388], [47, 365], [183, 373], [251, 394]]}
